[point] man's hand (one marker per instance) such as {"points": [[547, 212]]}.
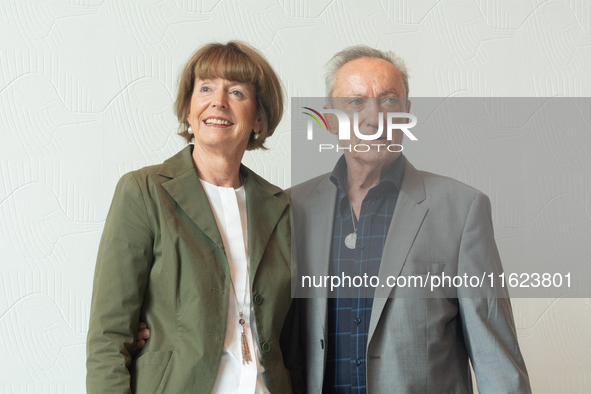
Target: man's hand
{"points": [[142, 335]]}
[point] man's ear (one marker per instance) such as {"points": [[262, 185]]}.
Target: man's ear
{"points": [[408, 105], [332, 122]]}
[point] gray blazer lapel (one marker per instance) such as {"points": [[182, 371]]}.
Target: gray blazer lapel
{"points": [[406, 222], [322, 205], [313, 222], [185, 188]]}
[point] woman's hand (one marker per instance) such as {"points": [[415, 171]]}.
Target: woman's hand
{"points": [[142, 335]]}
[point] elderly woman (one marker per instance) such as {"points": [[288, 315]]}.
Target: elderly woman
{"points": [[199, 248]]}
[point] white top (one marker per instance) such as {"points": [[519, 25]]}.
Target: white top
{"points": [[229, 208]]}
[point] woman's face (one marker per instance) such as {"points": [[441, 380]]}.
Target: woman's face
{"points": [[223, 113]]}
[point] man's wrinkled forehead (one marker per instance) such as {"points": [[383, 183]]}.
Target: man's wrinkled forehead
{"points": [[385, 93], [369, 77]]}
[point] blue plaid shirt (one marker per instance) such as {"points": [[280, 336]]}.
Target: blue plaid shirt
{"points": [[349, 313]]}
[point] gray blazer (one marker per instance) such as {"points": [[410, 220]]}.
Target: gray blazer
{"points": [[418, 345]]}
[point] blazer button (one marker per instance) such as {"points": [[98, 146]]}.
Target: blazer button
{"points": [[258, 299], [265, 347]]}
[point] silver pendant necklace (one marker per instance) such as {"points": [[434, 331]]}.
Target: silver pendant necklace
{"points": [[351, 239]]}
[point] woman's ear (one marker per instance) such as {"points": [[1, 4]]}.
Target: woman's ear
{"points": [[258, 125]]}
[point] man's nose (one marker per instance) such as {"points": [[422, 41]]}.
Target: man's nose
{"points": [[372, 112]]}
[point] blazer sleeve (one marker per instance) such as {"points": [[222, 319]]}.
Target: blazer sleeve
{"points": [[121, 275], [487, 318]]}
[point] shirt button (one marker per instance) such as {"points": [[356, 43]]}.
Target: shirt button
{"points": [[361, 245], [265, 347], [258, 299], [357, 320], [358, 362]]}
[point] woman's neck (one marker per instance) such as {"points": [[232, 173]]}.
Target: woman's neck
{"points": [[219, 170]]}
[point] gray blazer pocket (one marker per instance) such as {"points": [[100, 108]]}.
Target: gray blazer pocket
{"points": [[148, 371]]}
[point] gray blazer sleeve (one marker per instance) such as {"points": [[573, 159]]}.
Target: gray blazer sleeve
{"points": [[487, 320]]}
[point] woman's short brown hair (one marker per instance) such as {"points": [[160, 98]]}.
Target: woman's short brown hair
{"points": [[239, 62]]}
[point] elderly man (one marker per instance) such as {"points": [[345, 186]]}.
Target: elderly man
{"points": [[377, 214]]}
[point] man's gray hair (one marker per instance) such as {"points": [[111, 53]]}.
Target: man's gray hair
{"points": [[357, 52]]}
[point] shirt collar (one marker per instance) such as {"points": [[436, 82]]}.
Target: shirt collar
{"points": [[390, 182]]}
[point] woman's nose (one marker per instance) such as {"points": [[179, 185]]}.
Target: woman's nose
{"points": [[219, 99]]}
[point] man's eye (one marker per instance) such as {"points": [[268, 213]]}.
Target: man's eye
{"points": [[356, 102]]}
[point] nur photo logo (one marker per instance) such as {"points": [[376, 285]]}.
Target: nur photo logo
{"points": [[394, 121]]}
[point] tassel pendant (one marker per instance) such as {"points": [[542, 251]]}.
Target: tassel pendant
{"points": [[245, 349]]}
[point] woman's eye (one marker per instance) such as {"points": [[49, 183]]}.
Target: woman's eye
{"points": [[237, 93], [204, 89]]}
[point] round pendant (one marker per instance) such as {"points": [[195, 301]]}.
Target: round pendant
{"points": [[241, 321], [351, 240]]}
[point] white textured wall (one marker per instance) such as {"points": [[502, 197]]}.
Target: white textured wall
{"points": [[86, 88]]}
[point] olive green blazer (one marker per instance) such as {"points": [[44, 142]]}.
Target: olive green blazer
{"points": [[161, 260]]}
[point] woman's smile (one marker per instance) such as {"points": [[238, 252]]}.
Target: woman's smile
{"points": [[217, 121]]}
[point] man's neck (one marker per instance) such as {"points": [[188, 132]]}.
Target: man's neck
{"points": [[361, 177]]}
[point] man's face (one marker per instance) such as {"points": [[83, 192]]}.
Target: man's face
{"points": [[370, 86]]}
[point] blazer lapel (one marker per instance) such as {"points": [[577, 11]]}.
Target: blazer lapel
{"points": [[321, 205], [263, 210], [406, 222], [185, 188]]}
